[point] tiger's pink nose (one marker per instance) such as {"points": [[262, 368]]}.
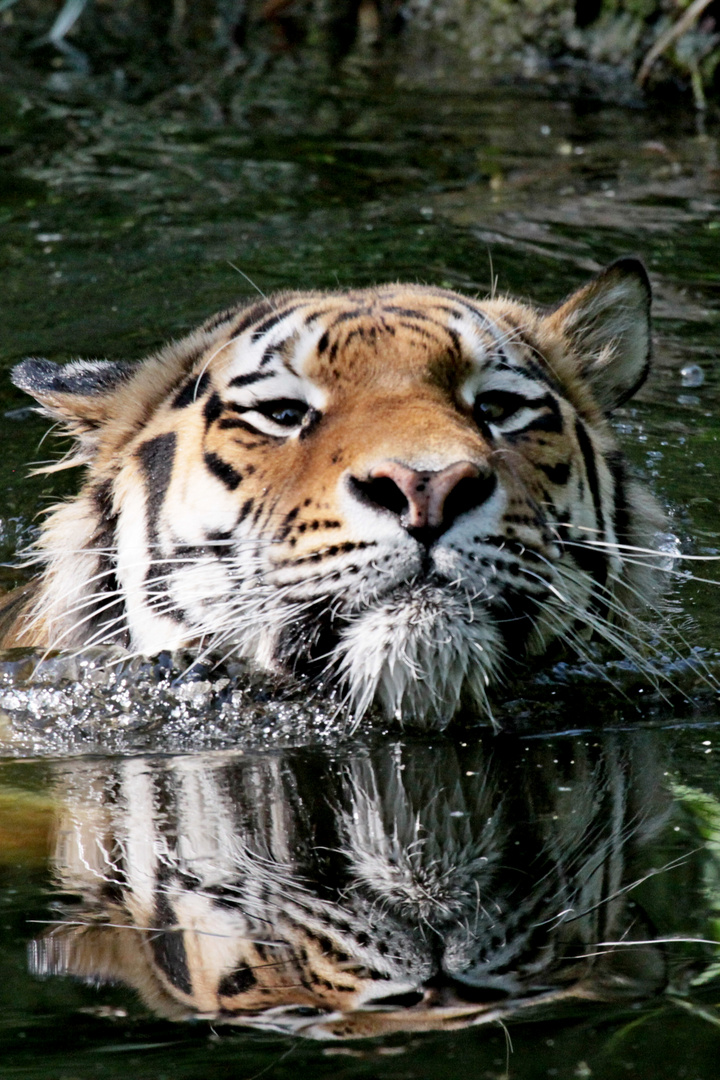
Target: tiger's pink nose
{"points": [[426, 502], [425, 493]]}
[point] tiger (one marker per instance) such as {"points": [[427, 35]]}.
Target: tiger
{"points": [[412, 888], [396, 493]]}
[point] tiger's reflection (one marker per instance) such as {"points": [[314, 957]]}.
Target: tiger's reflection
{"points": [[407, 887]]}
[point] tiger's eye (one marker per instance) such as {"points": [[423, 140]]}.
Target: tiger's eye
{"points": [[496, 406], [284, 411]]}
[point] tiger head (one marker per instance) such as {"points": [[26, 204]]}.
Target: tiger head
{"points": [[396, 491]]}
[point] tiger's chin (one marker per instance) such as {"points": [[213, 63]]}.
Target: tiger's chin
{"points": [[419, 656]]}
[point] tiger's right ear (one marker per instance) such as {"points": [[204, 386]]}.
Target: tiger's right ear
{"points": [[80, 394]]}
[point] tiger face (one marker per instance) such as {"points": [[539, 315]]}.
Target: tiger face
{"points": [[396, 491]]}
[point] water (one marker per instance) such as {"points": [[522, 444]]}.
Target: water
{"points": [[120, 230]]}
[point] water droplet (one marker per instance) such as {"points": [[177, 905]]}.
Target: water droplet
{"points": [[692, 375]]}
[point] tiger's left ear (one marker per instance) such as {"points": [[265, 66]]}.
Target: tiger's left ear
{"points": [[607, 323]]}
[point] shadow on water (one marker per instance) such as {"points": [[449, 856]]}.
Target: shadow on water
{"points": [[424, 893]]}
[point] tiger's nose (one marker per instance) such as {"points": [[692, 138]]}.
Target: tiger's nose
{"points": [[426, 502]]}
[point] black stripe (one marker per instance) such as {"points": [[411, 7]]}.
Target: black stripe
{"points": [[455, 338], [557, 474], [422, 316], [229, 422], [244, 511], [192, 391], [588, 453], [422, 331], [450, 310], [501, 363], [592, 560], [533, 371], [217, 535], [237, 982], [462, 303], [157, 457], [621, 512], [550, 420], [189, 553], [534, 368], [359, 331], [252, 377], [103, 539], [269, 352], [273, 320], [168, 946], [213, 409], [318, 314], [586, 448], [219, 544], [256, 311], [537, 371], [230, 477], [519, 329], [409, 313], [346, 316], [157, 590], [103, 542], [217, 320]]}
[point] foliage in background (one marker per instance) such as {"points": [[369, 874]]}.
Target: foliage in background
{"points": [[225, 53]]}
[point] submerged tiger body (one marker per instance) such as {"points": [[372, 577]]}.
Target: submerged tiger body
{"points": [[396, 491]]}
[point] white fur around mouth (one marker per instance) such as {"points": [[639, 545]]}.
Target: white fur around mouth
{"points": [[419, 654]]}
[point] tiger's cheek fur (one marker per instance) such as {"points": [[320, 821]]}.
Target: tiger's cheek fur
{"points": [[171, 518]]}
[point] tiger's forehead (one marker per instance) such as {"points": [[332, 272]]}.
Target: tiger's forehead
{"points": [[388, 335]]}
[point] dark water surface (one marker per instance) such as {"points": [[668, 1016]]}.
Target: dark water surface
{"points": [[154, 847]]}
